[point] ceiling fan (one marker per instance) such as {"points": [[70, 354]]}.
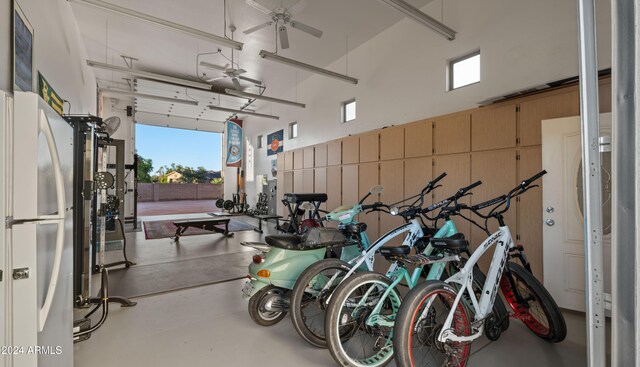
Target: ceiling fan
{"points": [[281, 17], [229, 73]]}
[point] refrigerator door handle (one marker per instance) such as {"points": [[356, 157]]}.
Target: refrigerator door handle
{"points": [[45, 128]]}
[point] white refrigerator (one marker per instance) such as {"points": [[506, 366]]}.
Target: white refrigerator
{"points": [[36, 253]]}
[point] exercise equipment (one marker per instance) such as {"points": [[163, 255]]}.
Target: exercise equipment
{"points": [[208, 224]]}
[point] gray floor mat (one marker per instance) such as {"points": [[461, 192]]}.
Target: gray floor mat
{"points": [[151, 279]]}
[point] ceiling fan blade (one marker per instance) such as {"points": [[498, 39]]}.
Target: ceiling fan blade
{"points": [[297, 7], [258, 27], [214, 79], [236, 83], [254, 4], [250, 80], [212, 66], [240, 71], [284, 38], [306, 28]]}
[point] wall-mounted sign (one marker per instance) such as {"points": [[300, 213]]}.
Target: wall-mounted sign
{"points": [[275, 142], [49, 95], [234, 143], [22, 51]]}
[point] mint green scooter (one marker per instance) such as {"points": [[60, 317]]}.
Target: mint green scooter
{"points": [[283, 257]]}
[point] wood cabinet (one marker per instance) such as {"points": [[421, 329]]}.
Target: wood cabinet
{"points": [[298, 159], [320, 155], [392, 143], [285, 183], [418, 139], [350, 150], [529, 209], [493, 128], [298, 181], [280, 163], [370, 147], [334, 187], [307, 180], [458, 169], [288, 160], [392, 178], [334, 153], [320, 180], [367, 178], [308, 160], [350, 184], [532, 112], [417, 173], [452, 134]]}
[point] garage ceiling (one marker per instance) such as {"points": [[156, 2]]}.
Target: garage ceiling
{"points": [[108, 36]]}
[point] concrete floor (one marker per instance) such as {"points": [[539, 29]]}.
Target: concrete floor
{"points": [[210, 326], [176, 207]]}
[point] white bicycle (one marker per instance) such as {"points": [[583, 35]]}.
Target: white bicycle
{"points": [[433, 328]]}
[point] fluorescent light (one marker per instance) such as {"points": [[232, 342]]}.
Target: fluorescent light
{"points": [[125, 92], [160, 22], [178, 116], [314, 69], [258, 96], [150, 75], [223, 109], [422, 18]]}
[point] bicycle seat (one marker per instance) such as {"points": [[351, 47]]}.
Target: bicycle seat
{"points": [[283, 241], [394, 251], [355, 228], [455, 243]]}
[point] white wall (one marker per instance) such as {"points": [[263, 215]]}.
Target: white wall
{"points": [[402, 70], [58, 54]]}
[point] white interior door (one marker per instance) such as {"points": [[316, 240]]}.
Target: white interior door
{"points": [[563, 227]]}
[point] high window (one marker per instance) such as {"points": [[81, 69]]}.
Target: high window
{"points": [[464, 70]]}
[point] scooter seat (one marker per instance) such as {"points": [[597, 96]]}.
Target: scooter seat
{"points": [[284, 241], [455, 243], [355, 228]]}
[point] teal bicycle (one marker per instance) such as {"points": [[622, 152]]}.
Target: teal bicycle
{"points": [[361, 313]]}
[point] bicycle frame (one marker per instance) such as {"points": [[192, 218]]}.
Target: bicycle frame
{"points": [[504, 243]]}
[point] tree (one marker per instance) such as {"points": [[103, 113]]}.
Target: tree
{"points": [[145, 167]]}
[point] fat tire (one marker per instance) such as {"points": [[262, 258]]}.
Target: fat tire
{"points": [[557, 325], [298, 293]]}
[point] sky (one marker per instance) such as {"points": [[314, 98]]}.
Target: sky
{"points": [[186, 147]]}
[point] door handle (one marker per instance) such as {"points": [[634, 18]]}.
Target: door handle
{"points": [[550, 222]]}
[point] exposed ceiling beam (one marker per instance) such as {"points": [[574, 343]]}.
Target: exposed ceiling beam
{"points": [[243, 112], [160, 22], [129, 93], [239, 93]]}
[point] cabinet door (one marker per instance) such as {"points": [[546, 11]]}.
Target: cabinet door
{"points": [[529, 209], [497, 171], [392, 178], [417, 173], [308, 157], [392, 143], [288, 160], [350, 184], [350, 150], [493, 128], [334, 187], [367, 178], [533, 112], [298, 181], [280, 166], [307, 180], [298, 159], [320, 180], [370, 147], [458, 169], [452, 134], [285, 186], [418, 139], [320, 155], [334, 153]]}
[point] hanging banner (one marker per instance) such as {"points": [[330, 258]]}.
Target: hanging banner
{"points": [[234, 143], [275, 143], [49, 95]]}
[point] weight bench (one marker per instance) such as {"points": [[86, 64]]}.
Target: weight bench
{"points": [[208, 224], [266, 217]]}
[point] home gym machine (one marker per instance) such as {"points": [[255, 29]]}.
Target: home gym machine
{"points": [[93, 207]]}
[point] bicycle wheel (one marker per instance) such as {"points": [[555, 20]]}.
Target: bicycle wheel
{"points": [[420, 321], [351, 340], [309, 300], [540, 312]]}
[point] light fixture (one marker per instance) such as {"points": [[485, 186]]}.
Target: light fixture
{"points": [[178, 116], [150, 75], [238, 93], [314, 69], [129, 93], [422, 18], [160, 22], [231, 110]]}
